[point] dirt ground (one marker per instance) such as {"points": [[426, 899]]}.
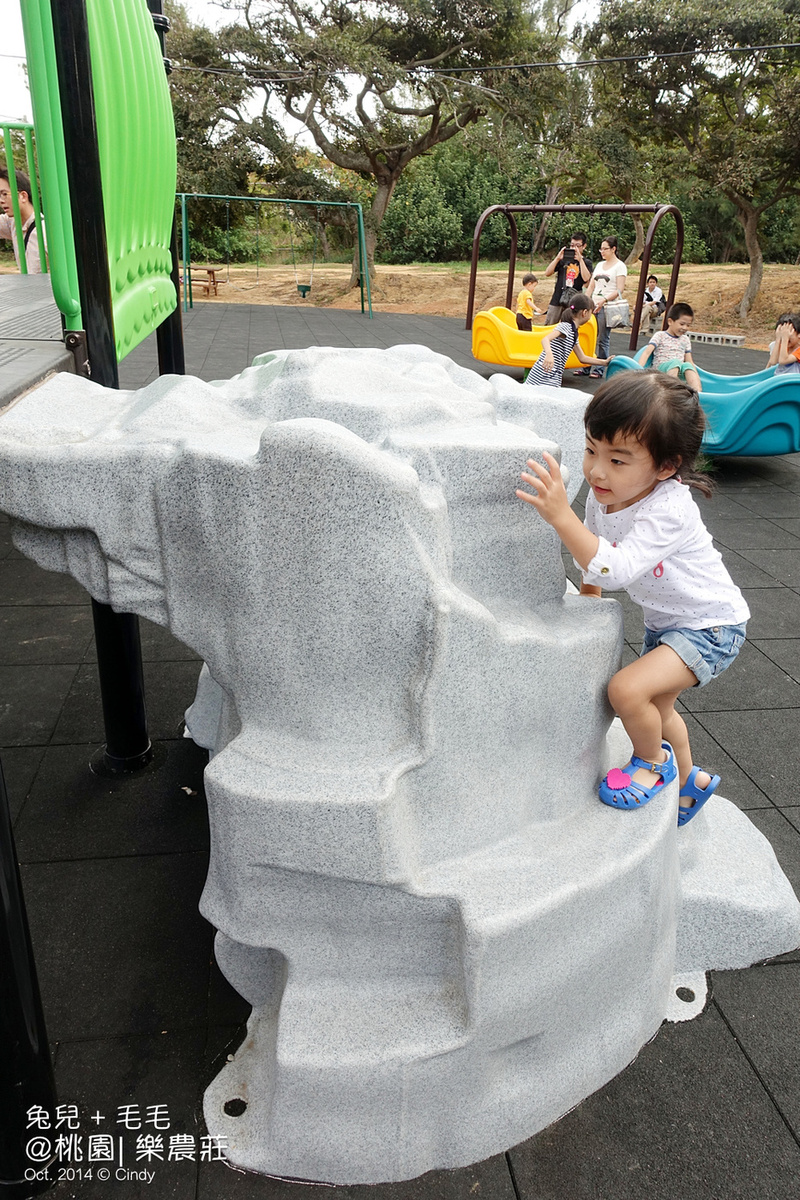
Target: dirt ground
{"points": [[713, 291]]}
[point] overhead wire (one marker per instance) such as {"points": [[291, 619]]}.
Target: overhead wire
{"points": [[278, 74]]}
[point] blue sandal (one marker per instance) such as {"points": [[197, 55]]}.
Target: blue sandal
{"points": [[698, 794], [620, 790]]}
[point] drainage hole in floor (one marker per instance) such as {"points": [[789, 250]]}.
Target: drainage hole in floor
{"points": [[235, 1108], [685, 994]]}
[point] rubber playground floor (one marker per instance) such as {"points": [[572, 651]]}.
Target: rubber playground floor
{"points": [[139, 1015]]}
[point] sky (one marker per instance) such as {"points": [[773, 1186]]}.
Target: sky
{"points": [[15, 102]]}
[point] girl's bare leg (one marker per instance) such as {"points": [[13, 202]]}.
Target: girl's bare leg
{"points": [[643, 695]]}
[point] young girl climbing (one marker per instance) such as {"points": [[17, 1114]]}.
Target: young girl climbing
{"points": [[556, 345], [644, 534]]}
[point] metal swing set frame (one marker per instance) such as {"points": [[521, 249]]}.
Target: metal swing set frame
{"points": [[659, 211], [364, 283]]}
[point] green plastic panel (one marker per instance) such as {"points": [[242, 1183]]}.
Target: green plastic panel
{"points": [[136, 135], [136, 138], [37, 25]]}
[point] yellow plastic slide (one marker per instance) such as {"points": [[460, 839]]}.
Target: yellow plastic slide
{"points": [[496, 339]]}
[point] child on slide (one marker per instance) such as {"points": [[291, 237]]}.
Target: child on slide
{"points": [[556, 345], [671, 348], [644, 534]]}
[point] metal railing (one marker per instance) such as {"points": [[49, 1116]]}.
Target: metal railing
{"points": [[363, 272], [27, 131]]}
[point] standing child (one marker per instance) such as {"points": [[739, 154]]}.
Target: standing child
{"points": [[526, 309], [671, 348], [784, 352], [644, 534], [556, 345]]}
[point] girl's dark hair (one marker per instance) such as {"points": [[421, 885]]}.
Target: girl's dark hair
{"points": [[792, 319], [612, 241], [661, 412], [580, 303]]}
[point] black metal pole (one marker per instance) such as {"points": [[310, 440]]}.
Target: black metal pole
{"points": [[26, 1072], [169, 335], [117, 634]]}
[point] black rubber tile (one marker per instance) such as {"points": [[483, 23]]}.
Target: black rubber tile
{"points": [[117, 1084], [762, 1007], [20, 765], [158, 645], [633, 620], [751, 682], [169, 690], [752, 534], [23, 582], [32, 699], [746, 574], [72, 813], [784, 652], [225, 1006], [720, 505], [790, 524], [784, 838], [792, 813], [688, 1118], [775, 613], [49, 634], [120, 945], [736, 785], [781, 564], [769, 502], [490, 1179], [749, 473], [764, 744], [6, 545], [629, 654]]}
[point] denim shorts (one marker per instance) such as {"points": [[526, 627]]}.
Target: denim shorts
{"points": [[706, 652]]}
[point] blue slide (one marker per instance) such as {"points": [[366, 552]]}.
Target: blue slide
{"points": [[756, 414]]}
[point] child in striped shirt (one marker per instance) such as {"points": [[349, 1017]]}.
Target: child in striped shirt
{"points": [[556, 345]]}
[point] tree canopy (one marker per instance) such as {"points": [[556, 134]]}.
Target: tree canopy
{"points": [[378, 85], [415, 99], [734, 111]]}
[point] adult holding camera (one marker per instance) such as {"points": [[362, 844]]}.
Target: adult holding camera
{"points": [[573, 269], [607, 283]]}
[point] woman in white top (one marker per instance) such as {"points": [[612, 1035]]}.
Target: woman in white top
{"points": [[607, 283]]}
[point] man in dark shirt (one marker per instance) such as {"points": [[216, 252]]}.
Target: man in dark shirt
{"points": [[573, 273]]}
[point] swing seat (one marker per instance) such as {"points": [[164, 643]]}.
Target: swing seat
{"points": [[304, 289]]}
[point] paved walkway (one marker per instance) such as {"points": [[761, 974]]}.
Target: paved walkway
{"points": [[138, 1012]]}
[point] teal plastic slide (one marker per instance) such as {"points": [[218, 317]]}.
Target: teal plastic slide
{"points": [[756, 414]]}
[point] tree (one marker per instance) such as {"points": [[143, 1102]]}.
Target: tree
{"points": [[378, 84], [219, 145], [735, 111]]}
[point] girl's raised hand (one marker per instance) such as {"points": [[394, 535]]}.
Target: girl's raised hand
{"points": [[550, 496]]}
